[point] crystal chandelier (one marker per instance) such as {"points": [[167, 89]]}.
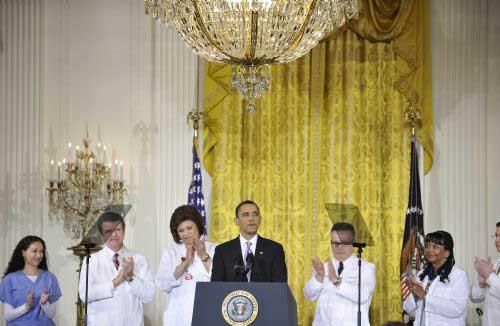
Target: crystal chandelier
{"points": [[84, 186], [252, 34]]}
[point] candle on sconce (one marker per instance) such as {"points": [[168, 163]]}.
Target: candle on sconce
{"points": [[51, 170], [115, 171], [91, 168], [77, 149], [58, 171], [110, 167], [98, 152], [104, 154], [63, 172], [69, 152], [121, 171]]}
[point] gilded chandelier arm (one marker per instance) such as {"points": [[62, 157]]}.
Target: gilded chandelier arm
{"points": [[85, 186]]}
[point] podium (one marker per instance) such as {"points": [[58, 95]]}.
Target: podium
{"points": [[242, 303]]}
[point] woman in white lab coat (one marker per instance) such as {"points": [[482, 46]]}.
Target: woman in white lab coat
{"points": [[440, 291], [187, 261]]}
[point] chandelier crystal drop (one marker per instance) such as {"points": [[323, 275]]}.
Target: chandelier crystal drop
{"points": [[252, 34]]}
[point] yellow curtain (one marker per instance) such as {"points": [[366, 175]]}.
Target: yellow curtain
{"points": [[331, 130], [405, 23]]}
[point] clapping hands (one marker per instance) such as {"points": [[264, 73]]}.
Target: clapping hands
{"points": [[319, 268], [484, 269], [185, 261], [199, 247], [190, 250], [128, 268], [30, 300], [332, 274], [45, 297], [415, 287], [127, 271]]}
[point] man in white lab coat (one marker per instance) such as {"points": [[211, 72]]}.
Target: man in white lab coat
{"points": [[120, 281], [487, 286], [335, 283]]}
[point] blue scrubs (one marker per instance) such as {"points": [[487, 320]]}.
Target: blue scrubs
{"points": [[14, 290]]}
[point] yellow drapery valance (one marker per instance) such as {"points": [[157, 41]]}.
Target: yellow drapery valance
{"points": [[404, 23], [330, 130]]}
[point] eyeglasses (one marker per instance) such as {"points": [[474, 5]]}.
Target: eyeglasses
{"points": [[339, 245], [495, 235]]}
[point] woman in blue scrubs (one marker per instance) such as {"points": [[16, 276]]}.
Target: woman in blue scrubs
{"points": [[28, 290]]}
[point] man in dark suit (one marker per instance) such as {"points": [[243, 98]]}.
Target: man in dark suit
{"points": [[249, 257]]}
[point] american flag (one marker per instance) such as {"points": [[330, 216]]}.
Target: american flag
{"points": [[195, 194], [412, 253]]}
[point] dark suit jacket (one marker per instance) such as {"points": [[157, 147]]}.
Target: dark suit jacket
{"points": [[269, 262]]}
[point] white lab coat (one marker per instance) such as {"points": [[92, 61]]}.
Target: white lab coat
{"points": [[180, 293], [120, 306], [491, 297], [445, 303], [338, 304]]}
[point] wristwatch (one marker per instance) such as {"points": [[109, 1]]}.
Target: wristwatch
{"points": [[337, 282], [205, 259]]}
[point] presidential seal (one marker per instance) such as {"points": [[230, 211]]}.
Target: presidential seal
{"points": [[240, 308]]}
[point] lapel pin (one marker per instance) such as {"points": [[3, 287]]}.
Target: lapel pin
{"points": [[261, 252]]}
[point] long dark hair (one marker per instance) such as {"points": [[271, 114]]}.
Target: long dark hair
{"points": [[445, 239], [16, 262]]}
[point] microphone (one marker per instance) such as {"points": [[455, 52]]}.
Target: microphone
{"points": [[89, 245], [249, 262], [238, 267], [359, 244]]}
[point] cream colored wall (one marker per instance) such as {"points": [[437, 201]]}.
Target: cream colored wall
{"points": [[493, 121], [105, 64], [462, 190], [21, 118]]}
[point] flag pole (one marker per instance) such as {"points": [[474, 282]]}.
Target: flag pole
{"points": [[195, 193], [413, 119], [413, 237], [195, 116]]}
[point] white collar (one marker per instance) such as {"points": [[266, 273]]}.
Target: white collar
{"points": [[347, 262], [110, 253], [243, 243]]}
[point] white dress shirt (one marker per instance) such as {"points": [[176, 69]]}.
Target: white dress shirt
{"points": [[243, 243], [445, 303], [121, 305], [180, 293], [338, 304], [491, 297]]}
